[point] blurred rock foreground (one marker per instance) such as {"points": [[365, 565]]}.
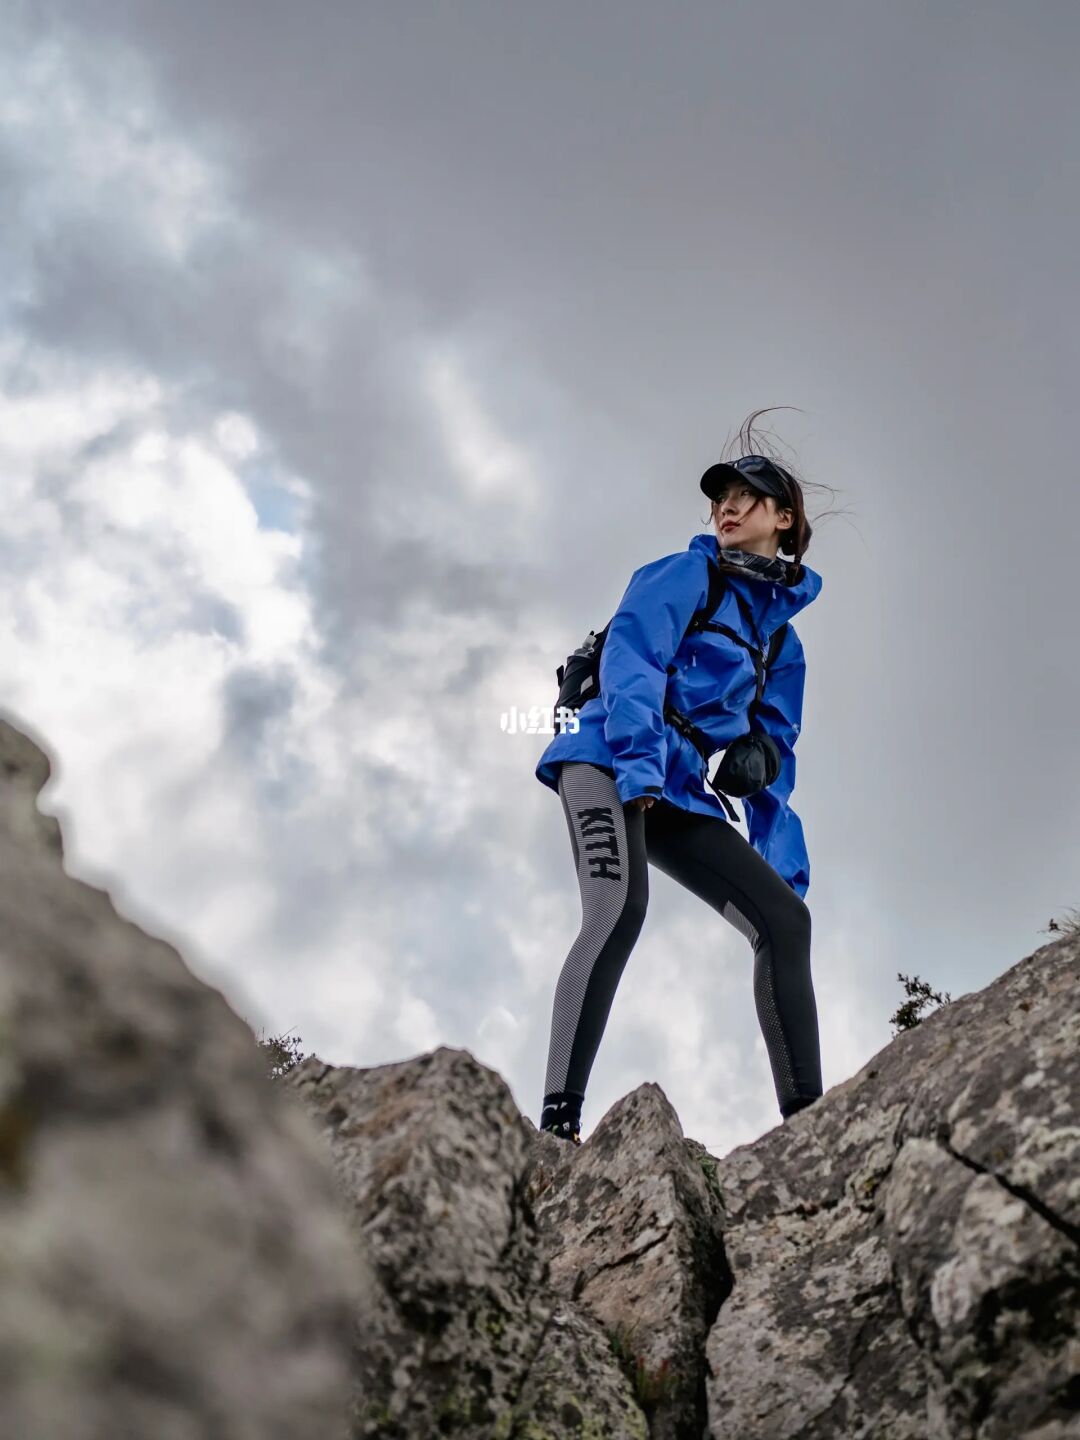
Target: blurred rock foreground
{"points": [[191, 1251]]}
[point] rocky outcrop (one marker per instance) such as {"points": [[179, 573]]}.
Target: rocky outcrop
{"points": [[900, 1260], [187, 1249], [905, 1253], [634, 1228], [174, 1261], [465, 1336]]}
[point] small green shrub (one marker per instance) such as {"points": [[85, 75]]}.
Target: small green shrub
{"points": [[651, 1384], [282, 1054], [1069, 926], [708, 1169], [909, 1013]]}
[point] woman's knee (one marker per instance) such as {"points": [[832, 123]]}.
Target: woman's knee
{"points": [[794, 917], [603, 910], [635, 910], [627, 920]]}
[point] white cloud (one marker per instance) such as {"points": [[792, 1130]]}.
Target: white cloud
{"points": [[237, 436], [489, 464], [87, 116], [417, 1026], [498, 1040], [152, 584]]}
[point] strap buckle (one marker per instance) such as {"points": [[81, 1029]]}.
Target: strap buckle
{"points": [[686, 726]]}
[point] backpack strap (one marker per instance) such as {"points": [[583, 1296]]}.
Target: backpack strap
{"points": [[776, 641], [715, 593], [763, 658], [687, 727], [702, 619]]}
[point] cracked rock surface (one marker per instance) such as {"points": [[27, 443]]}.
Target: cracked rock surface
{"points": [[899, 1260], [174, 1261], [904, 1252], [633, 1228], [464, 1335]]}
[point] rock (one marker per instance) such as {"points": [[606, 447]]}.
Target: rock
{"points": [[174, 1262], [465, 1336], [573, 1389], [634, 1231], [904, 1252]]}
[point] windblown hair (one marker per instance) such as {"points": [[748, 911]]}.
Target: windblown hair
{"points": [[796, 539]]}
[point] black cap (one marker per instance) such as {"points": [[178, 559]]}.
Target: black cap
{"points": [[756, 470]]}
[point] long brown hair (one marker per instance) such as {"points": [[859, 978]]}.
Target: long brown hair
{"points": [[796, 539]]}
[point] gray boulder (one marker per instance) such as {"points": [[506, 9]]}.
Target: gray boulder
{"points": [[464, 1336], [900, 1260], [632, 1222], [905, 1252], [174, 1261]]}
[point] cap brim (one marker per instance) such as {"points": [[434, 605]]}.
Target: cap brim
{"points": [[719, 475]]}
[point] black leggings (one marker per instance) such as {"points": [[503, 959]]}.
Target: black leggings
{"points": [[613, 846]]}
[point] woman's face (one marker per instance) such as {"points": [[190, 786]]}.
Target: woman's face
{"points": [[745, 519]]}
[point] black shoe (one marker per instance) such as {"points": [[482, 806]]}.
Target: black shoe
{"points": [[561, 1116], [563, 1132], [794, 1106]]}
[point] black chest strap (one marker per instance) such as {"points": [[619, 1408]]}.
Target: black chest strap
{"points": [[762, 660]]}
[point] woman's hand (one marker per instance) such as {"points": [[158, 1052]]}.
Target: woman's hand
{"points": [[643, 801]]}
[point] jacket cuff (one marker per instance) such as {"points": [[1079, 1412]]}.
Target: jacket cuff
{"points": [[640, 790]]}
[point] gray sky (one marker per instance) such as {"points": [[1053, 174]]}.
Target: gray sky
{"points": [[352, 357]]}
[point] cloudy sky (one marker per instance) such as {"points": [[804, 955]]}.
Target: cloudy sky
{"points": [[351, 358]]}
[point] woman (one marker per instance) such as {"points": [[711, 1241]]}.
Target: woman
{"points": [[634, 789]]}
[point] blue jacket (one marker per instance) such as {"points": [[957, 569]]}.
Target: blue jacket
{"points": [[711, 679]]}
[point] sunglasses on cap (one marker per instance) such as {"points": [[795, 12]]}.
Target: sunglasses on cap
{"points": [[756, 470]]}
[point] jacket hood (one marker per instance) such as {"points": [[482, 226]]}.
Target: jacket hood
{"points": [[772, 598]]}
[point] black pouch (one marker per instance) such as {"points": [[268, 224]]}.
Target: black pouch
{"points": [[579, 677], [751, 763]]}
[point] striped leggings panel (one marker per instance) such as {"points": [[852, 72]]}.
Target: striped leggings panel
{"points": [[613, 846]]}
